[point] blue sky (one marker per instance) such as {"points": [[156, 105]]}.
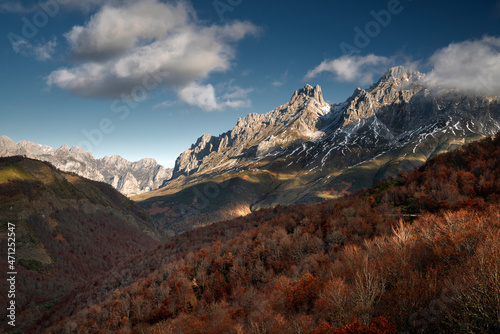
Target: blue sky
{"points": [[146, 78]]}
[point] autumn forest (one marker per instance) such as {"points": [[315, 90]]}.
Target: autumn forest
{"points": [[416, 253]]}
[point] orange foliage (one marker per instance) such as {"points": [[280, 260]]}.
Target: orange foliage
{"points": [[419, 249]]}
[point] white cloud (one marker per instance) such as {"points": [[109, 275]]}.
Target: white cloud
{"points": [[203, 96], [115, 30], [236, 104], [22, 46], [164, 104], [40, 51], [122, 46], [353, 68], [277, 83], [472, 66], [281, 81], [236, 92], [45, 51]]}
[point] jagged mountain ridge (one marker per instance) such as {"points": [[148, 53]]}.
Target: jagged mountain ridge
{"points": [[307, 150], [257, 135], [129, 178], [392, 109]]}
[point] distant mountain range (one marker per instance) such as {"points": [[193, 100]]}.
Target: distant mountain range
{"points": [[129, 178], [307, 150]]}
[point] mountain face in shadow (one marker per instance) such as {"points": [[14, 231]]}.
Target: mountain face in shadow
{"points": [[68, 230]]}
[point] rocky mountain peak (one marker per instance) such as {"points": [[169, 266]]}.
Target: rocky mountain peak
{"points": [[398, 85], [308, 91], [205, 138], [399, 74], [248, 120], [6, 139], [114, 160], [202, 141], [6, 144], [257, 135], [147, 162], [77, 150]]}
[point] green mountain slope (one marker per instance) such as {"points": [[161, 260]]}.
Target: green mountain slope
{"points": [[68, 230]]}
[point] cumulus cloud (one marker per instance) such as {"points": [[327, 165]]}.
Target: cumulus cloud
{"points": [[122, 47], [472, 66], [347, 68], [115, 30], [204, 97]]}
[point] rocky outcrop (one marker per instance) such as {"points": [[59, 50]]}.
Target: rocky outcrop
{"points": [[397, 86], [257, 135], [130, 178]]}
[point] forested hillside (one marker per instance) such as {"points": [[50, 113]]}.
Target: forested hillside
{"points": [[416, 253], [68, 231]]}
